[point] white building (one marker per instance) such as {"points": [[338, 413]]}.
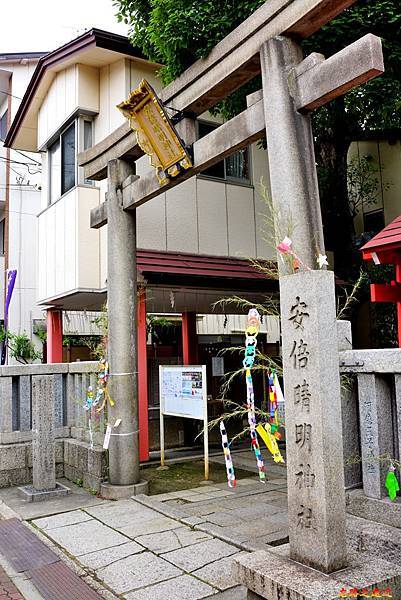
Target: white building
{"points": [[20, 181]]}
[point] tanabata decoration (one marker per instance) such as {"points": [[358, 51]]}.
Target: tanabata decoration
{"points": [[285, 247], [392, 484], [232, 482], [96, 402], [251, 333], [322, 261], [269, 431], [265, 432]]}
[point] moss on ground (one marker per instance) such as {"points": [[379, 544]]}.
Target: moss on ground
{"points": [[185, 475]]}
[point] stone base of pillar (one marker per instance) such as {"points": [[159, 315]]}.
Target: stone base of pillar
{"points": [[30, 494], [382, 511], [273, 576], [119, 492]]}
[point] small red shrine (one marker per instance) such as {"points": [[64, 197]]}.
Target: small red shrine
{"points": [[385, 248]]}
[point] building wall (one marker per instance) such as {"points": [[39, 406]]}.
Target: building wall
{"points": [[201, 215], [386, 158], [68, 248], [73, 87], [24, 205]]}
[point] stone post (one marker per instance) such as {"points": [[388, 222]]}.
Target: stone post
{"points": [[43, 445], [122, 339], [316, 496], [293, 178], [315, 472], [376, 426]]}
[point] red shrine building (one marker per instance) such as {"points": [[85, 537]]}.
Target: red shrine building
{"points": [[385, 248]]}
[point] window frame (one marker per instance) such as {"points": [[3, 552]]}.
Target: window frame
{"points": [[244, 181], [79, 124], [2, 117]]}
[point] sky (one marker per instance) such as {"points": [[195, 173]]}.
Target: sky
{"points": [[29, 26]]}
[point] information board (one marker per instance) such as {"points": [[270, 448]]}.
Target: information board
{"points": [[183, 391]]}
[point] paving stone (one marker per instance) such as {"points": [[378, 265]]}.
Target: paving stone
{"points": [[251, 512], [172, 540], [143, 526], [195, 557], [179, 588], [137, 571], [256, 529], [191, 521], [238, 593], [223, 519], [86, 537], [63, 519], [218, 573], [163, 497], [102, 558], [121, 513]]}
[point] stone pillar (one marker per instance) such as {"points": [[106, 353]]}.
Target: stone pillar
{"points": [[143, 378], [397, 444], [43, 445], [376, 426], [293, 177], [189, 339], [315, 472], [54, 341], [316, 496], [349, 414], [122, 337]]}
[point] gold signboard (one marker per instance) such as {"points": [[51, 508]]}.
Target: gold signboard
{"points": [[155, 133]]}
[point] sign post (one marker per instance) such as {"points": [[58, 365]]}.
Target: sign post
{"points": [[183, 393]]}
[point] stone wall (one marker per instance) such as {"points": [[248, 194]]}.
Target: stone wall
{"points": [[83, 465], [16, 463]]}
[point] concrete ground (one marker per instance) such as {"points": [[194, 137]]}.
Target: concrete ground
{"points": [[177, 546]]}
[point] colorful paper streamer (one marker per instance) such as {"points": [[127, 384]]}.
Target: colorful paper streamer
{"points": [[232, 482], [251, 333]]}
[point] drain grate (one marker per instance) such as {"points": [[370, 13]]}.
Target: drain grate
{"points": [[58, 581], [22, 548]]}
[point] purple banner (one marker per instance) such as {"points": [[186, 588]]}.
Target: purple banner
{"points": [[11, 277]]}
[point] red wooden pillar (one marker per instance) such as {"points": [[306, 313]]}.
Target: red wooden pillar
{"points": [[189, 339], [142, 379], [54, 341]]}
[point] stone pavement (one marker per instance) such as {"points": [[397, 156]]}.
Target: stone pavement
{"points": [[178, 546]]}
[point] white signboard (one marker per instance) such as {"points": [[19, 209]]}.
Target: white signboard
{"points": [[183, 393]]}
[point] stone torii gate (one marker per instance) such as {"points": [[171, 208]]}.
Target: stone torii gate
{"points": [[267, 43]]}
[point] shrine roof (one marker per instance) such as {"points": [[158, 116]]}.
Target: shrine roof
{"points": [[387, 240]]}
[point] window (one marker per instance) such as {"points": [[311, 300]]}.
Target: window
{"points": [[234, 168], [68, 155], [62, 164], [88, 142], [64, 172], [373, 221], [2, 236], [55, 171], [3, 126]]}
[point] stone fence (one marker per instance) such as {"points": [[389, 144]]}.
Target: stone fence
{"points": [[74, 458], [371, 419], [371, 415]]}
